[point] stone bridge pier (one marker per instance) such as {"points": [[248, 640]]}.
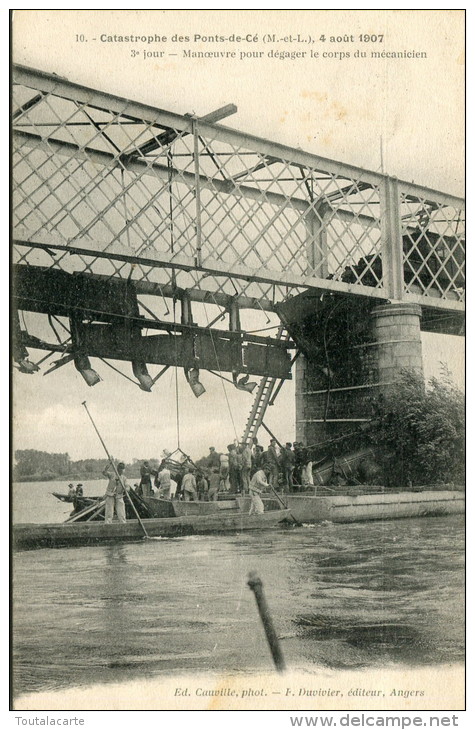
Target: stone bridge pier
{"points": [[350, 355]]}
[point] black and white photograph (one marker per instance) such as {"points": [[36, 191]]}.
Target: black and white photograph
{"points": [[238, 361]]}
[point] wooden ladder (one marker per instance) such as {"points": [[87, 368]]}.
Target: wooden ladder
{"points": [[265, 393]]}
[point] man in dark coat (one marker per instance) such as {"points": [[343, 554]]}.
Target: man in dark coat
{"points": [[287, 462], [146, 479], [272, 461]]}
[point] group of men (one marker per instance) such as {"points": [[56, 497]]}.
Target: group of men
{"points": [[296, 464], [74, 492], [156, 480], [187, 483], [191, 486], [237, 466], [246, 469], [75, 495]]}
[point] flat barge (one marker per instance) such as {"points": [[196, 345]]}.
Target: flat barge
{"points": [[366, 504], [32, 536]]}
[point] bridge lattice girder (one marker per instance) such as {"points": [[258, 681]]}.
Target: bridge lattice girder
{"points": [[102, 183]]}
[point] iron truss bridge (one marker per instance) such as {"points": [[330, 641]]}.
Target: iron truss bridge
{"points": [[115, 201]]}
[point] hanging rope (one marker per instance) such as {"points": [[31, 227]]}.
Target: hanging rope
{"points": [[219, 368], [176, 383], [170, 207]]}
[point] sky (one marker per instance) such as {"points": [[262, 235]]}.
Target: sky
{"points": [[404, 117]]}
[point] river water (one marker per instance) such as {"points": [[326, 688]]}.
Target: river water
{"points": [[363, 595]]}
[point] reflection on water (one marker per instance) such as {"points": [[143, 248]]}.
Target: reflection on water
{"points": [[341, 596], [391, 591]]}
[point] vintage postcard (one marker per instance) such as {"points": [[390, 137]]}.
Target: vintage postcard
{"points": [[237, 314]]}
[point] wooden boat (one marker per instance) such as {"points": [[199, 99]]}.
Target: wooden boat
{"points": [[82, 501], [62, 497], [66, 498], [30, 536]]}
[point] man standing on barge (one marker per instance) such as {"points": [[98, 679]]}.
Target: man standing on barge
{"points": [[246, 467], [164, 478], [257, 484], [115, 491], [146, 479], [287, 462], [272, 462], [188, 486]]}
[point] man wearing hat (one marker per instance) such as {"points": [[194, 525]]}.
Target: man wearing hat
{"points": [[257, 484], [115, 492], [213, 458], [146, 479], [188, 486], [272, 461], [287, 462], [164, 481], [246, 466]]}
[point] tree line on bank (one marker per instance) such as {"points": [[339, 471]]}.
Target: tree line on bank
{"points": [[41, 466], [419, 434]]}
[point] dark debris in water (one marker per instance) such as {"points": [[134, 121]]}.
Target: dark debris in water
{"points": [[392, 636], [120, 664], [341, 560]]}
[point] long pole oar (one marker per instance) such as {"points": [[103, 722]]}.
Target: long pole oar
{"points": [[279, 499], [86, 511], [115, 469], [255, 584]]}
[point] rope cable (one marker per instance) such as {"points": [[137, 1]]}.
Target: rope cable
{"points": [[170, 206], [172, 247], [43, 359], [177, 409], [219, 368]]}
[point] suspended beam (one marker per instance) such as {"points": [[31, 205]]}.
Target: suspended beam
{"points": [[205, 351], [170, 327], [105, 323]]}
